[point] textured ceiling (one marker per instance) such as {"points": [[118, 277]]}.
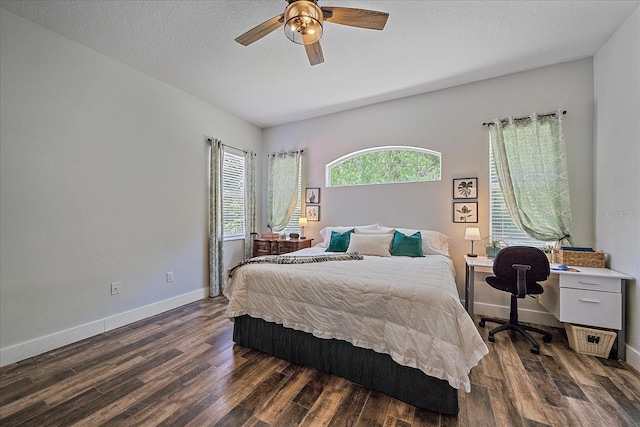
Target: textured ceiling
{"points": [[426, 45]]}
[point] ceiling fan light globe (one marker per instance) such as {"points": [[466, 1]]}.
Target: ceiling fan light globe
{"points": [[303, 22]]}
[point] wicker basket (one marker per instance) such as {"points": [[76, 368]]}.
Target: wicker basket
{"points": [[594, 342], [579, 258]]}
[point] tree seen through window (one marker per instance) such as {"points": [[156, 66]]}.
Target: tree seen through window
{"points": [[384, 165]]}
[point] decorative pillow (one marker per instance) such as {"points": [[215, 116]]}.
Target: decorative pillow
{"points": [[404, 245], [368, 244], [339, 241], [433, 242], [325, 233]]}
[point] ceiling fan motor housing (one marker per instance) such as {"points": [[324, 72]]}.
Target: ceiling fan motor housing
{"points": [[303, 22]]}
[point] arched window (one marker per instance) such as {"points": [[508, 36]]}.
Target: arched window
{"points": [[384, 165]]}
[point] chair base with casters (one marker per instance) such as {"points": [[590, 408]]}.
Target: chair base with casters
{"points": [[517, 270], [513, 324]]}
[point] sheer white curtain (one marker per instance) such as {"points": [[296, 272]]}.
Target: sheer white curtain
{"points": [[531, 166], [249, 202], [216, 218], [282, 188]]}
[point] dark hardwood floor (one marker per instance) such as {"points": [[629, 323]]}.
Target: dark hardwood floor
{"points": [[181, 368]]}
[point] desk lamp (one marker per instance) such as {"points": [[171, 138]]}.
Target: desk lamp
{"points": [[472, 233]]}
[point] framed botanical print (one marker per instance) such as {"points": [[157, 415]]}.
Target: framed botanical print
{"points": [[465, 188], [465, 211], [312, 196], [312, 213]]}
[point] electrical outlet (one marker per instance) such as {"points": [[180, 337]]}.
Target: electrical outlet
{"points": [[115, 288], [169, 276]]}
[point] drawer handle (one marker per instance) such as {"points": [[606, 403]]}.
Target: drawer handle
{"points": [[588, 283], [590, 300]]}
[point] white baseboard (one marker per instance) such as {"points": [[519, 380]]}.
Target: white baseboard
{"points": [[41, 345], [633, 357], [524, 315]]}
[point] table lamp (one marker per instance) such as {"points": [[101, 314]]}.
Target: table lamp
{"points": [[302, 222], [472, 233]]}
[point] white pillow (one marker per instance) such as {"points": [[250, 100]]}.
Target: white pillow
{"points": [[433, 242], [325, 233], [381, 230], [370, 244]]}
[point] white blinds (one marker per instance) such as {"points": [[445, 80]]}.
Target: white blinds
{"points": [[293, 226], [233, 195], [502, 226]]}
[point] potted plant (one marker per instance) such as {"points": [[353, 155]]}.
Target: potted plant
{"points": [[493, 247]]}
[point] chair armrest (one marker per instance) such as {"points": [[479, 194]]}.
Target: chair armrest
{"points": [[521, 279]]}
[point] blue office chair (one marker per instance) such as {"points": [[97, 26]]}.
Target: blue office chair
{"points": [[517, 270]]}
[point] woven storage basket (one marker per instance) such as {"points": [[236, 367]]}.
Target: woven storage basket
{"points": [[594, 342], [579, 258]]}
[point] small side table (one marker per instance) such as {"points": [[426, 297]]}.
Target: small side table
{"points": [[292, 245], [277, 246]]}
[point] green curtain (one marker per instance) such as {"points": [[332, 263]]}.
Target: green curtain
{"points": [[282, 188], [250, 202], [216, 229], [531, 165]]}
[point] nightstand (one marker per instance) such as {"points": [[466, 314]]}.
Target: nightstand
{"points": [[265, 247], [292, 245], [277, 246]]}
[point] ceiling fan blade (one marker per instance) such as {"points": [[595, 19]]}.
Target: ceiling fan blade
{"points": [[314, 52], [361, 18], [261, 30]]}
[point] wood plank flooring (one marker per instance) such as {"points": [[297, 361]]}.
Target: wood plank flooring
{"points": [[181, 368]]}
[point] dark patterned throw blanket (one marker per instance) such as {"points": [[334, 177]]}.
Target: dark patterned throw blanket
{"points": [[296, 259]]}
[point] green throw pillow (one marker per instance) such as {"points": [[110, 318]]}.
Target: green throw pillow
{"points": [[404, 245], [339, 241]]}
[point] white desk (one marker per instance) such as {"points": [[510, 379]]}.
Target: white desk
{"points": [[591, 296]]}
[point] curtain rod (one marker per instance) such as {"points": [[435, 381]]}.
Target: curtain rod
{"points": [[504, 121], [230, 146], [286, 152]]}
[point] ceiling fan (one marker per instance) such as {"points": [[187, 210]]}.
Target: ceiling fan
{"points": [[302, 21]]}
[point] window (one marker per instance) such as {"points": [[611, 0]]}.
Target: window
{"points": [[384, 165], [292, 225], [502, 226], [233, 196]]}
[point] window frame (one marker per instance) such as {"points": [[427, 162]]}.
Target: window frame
{"points": [[354, 154]]}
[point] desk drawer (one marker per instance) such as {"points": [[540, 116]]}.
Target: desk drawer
{"points": [[591, 308], [591, 283]]}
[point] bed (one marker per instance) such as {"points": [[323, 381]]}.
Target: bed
{"points": [[390, 323]]}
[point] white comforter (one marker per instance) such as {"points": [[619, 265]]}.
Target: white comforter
{"points": [[405, 307]]}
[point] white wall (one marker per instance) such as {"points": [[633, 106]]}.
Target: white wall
{"points": [[104, 178], [449, 121], [617, 166]]}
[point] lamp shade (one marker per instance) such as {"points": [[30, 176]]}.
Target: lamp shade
{"points": [[303, 22], [472, 233], [302, 222]]}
